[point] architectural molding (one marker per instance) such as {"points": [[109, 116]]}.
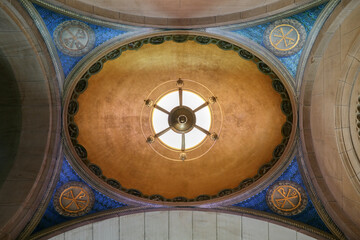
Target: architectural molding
{"points": [[250, 17], [311, 167], [324, 15], [47, 39], [274, 17], [262, 216]]}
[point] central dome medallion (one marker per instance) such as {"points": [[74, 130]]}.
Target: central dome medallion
{"points": [[182, 120]]}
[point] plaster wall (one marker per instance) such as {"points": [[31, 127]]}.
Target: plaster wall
{"points": [[182, 225]]}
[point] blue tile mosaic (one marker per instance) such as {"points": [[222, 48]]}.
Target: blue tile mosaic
{"points": [[308, 216], [67, 174], [306, 18], [53, 19]]}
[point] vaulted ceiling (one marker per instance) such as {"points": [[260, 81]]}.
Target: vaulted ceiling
{"points": [[81, 121]]}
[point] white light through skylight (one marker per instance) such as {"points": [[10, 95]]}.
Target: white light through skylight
{"points": [[160, 120]]}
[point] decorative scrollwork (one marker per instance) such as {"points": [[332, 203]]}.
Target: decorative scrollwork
{"points": [[135, 45], [95, 169], [73, 107], [113, 183], [224, 45], [273, 161], [134, 192], [279, 150], [180, 38], [73, 130], [246, 182], [95, 68], [225, 192], [286, 107], [179, 199], [113, 54], [80, 151], [358, 117], [81, 86], [202, 198], [157, 197], [264, 169], [286, 129], [246, 54], [285, 141], [278, 86], [157, 40], [202, 40], [264, 68], [290, 118]]}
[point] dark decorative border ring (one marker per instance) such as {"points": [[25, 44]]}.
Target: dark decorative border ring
{"points": [[81, 85]]}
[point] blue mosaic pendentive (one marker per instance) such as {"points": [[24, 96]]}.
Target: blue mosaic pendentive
{"points": [[53, 19], [309, 216], [51, 217], [306, 18]]}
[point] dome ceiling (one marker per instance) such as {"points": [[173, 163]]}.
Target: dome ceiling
{"points": [[112, 128]]}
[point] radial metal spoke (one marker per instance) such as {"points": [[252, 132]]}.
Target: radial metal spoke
{"points": [[162, 132], [180, 96], [183, 142], [203, 130], [161, 109], [202, 106]]}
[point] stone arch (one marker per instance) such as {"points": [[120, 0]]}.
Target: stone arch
{"points": [[184, 15], [36, 129], [180, 224], [324, 113]]}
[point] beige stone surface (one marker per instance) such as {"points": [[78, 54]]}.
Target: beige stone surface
{"points": [[132, 226], [106, 230], [84, 232], [38, 143], [199, 225], [58, 237], [180, 225], [181, 8], [181, 13], [156, 225], [204, 225], [253, 229], [277, 232], [329, 143], [228, 226]]}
